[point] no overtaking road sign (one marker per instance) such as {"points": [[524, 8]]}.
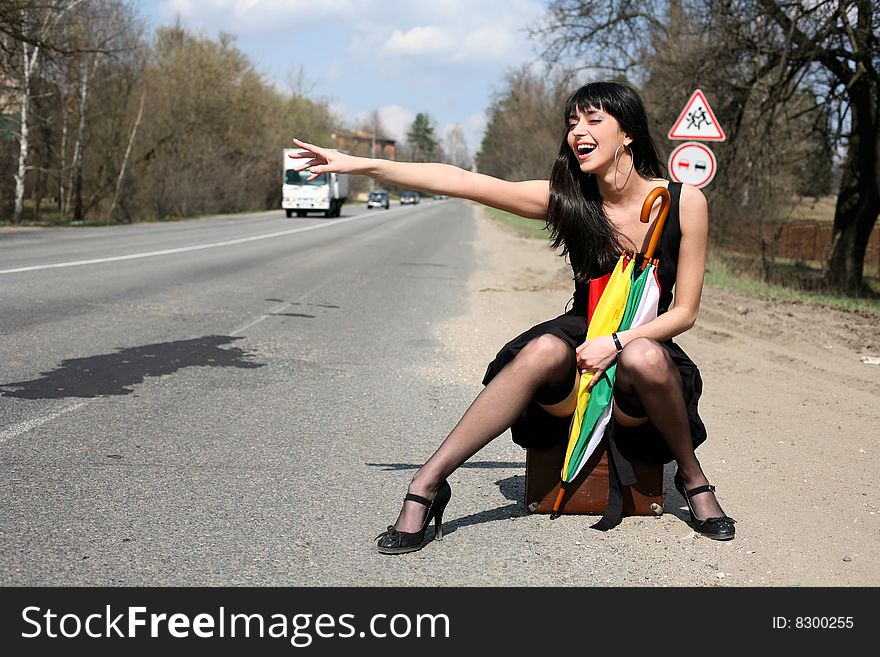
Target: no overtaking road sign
{"points": [[693, 163]]}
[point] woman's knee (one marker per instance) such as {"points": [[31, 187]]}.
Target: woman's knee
{"points": [[645, 360], [545, 352]]}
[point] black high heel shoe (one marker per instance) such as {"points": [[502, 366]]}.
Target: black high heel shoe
{"points": [[720, 529], [393, 541]]}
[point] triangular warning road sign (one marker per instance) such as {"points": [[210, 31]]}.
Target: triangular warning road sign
{"points": [[697, 121]]}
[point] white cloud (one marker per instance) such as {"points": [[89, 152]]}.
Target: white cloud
{"points": [[443, 57], [489, 43], [474, 127], [340, 109], [259, 16], [419, 41], [494, 42], [396, 121], [489, 32]]}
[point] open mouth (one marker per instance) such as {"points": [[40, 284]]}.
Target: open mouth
{"points": [[585, 149]]}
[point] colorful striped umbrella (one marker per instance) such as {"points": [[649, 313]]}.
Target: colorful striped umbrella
{"points": [[629, 300]]}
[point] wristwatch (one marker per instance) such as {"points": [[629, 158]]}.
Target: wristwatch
{"points": [[617, 343]]}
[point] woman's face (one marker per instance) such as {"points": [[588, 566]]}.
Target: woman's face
{"points": [[594, 136]]}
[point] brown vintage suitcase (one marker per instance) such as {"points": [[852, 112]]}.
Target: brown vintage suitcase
{"points": [[588, 493]]}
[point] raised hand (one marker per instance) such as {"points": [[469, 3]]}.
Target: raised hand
{"points": [[323, 160]]}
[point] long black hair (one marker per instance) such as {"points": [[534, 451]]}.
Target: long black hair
{"points": [[576, 218]]}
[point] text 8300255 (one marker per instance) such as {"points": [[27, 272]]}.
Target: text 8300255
{"points": [[813, 623]]}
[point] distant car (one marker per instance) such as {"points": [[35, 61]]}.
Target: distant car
{"points": [[378, 199], [409, 198], [440, 197]]}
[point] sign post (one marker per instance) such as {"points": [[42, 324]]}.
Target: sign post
{"points": [[694, 163]]}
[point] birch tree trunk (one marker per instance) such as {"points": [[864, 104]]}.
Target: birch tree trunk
{"points": [[122, 168], [62, 166], [75, 187], [29, 62]]}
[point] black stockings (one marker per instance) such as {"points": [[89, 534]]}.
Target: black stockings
{"points": [[648, 386], [545, 368]]}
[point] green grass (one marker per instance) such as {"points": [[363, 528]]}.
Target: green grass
{"points": [[520, 225], [719, 275]]}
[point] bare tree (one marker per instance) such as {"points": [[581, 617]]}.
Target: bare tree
{"points": [[372, 125], [764, 55], [834, 47], [103, 29], [525, 125], [457, 151], [125, 158], [120, 128], [55, 47], [32, 28], [213, 129]]}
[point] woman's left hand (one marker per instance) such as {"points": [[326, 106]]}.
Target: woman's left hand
{"points": [[596, 356]]}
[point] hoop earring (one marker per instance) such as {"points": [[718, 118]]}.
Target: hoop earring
{"points": [[617, 165]]}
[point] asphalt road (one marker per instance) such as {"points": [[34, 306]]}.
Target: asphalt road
{"points": [[224, 401], [244, 402]]}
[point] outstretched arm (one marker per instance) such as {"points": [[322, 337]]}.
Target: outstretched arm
{"points": [[529, 198]]}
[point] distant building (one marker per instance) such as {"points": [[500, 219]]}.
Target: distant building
{"points": [[362, 142]]}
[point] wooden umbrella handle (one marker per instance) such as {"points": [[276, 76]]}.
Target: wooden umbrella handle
{"points": [[663, 193]]}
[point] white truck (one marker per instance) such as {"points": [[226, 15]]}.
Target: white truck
{"points": [[326, 193]]}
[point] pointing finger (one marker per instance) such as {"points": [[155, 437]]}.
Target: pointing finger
{"points": [[307, 146]]}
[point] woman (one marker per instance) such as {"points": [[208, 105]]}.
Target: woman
{"points": [[606, 166]]}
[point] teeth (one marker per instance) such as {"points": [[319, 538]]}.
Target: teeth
{"points": [[586, 148]]}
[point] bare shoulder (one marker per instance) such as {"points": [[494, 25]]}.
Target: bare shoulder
{"points": [[694, 208], [692, 199]]}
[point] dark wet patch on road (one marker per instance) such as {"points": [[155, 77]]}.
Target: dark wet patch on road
{"points": [[292, 315], [117, 373]]}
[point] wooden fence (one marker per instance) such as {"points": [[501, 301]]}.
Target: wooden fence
{"points": [[811, 241]]}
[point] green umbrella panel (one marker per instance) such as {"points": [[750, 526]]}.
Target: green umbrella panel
{"points": [[598, 411]]}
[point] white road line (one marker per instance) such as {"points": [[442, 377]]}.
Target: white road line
{"points": [[183, 249], [258, 320], [302, 298], [24, 427]]}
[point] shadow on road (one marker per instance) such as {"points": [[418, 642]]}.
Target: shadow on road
{"points": [[117, 373], [514, 489]]}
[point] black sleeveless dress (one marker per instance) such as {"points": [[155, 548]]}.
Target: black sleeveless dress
{"points": [[536, 428]]}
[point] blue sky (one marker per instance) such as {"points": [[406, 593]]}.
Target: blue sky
{"points": [[444, 57]]}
